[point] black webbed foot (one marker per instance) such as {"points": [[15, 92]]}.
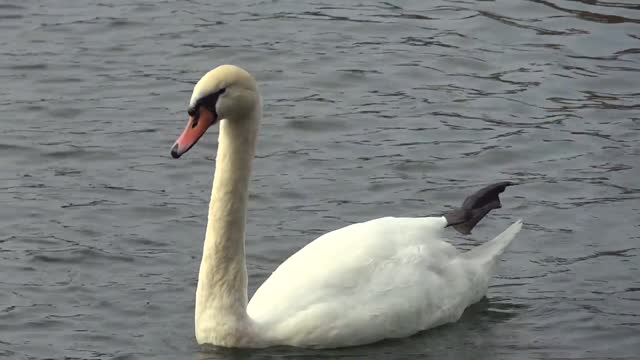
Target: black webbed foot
{"points": [[475, 207]]}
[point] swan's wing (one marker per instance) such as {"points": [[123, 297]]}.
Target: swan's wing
{"points": [[388, 277]]}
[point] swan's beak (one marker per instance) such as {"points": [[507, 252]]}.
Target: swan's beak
{"points": [[196, 127]]}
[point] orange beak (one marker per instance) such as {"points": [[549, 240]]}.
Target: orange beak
{"points": [[196, 127]]}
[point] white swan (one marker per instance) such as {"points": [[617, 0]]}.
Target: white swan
{"points": [[385, 278]]}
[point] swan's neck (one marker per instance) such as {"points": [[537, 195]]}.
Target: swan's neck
{"points": [[221, 297]]}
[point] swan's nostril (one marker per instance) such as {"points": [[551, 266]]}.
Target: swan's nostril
{"points": [[174, 151]]}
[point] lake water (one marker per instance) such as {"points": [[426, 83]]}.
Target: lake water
{"points": [[371, 109]]}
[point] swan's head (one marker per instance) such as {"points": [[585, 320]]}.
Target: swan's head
{"points": [[225, 93]]}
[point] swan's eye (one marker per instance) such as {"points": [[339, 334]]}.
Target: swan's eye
{"points": [[192, 111], [210, 101]]}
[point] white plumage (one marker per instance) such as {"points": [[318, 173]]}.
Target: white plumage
{"points": [[385, 278]]}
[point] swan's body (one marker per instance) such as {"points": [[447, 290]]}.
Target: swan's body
{"points": [[385, 278]]}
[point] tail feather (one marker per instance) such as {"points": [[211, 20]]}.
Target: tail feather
{"points": [[488, 253]]}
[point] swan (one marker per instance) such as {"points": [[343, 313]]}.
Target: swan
{"points": [[385, 278]]}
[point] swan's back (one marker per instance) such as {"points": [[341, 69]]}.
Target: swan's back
{"points": [[386, 278]]}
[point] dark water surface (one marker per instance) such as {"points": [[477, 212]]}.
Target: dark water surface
{"points": [[371, 109]]}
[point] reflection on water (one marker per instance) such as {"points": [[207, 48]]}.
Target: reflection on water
{"points": [[391, 108]]}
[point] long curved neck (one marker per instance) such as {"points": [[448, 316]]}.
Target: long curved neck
{"points": [[221, 296]]}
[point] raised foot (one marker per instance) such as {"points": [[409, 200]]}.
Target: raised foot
{"points": [[475, 207]]}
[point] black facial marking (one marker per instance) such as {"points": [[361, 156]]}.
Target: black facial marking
{"points": [[209, 102], [194, 113]]}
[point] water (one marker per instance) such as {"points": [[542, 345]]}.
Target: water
{"points": [[371, 109]]}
